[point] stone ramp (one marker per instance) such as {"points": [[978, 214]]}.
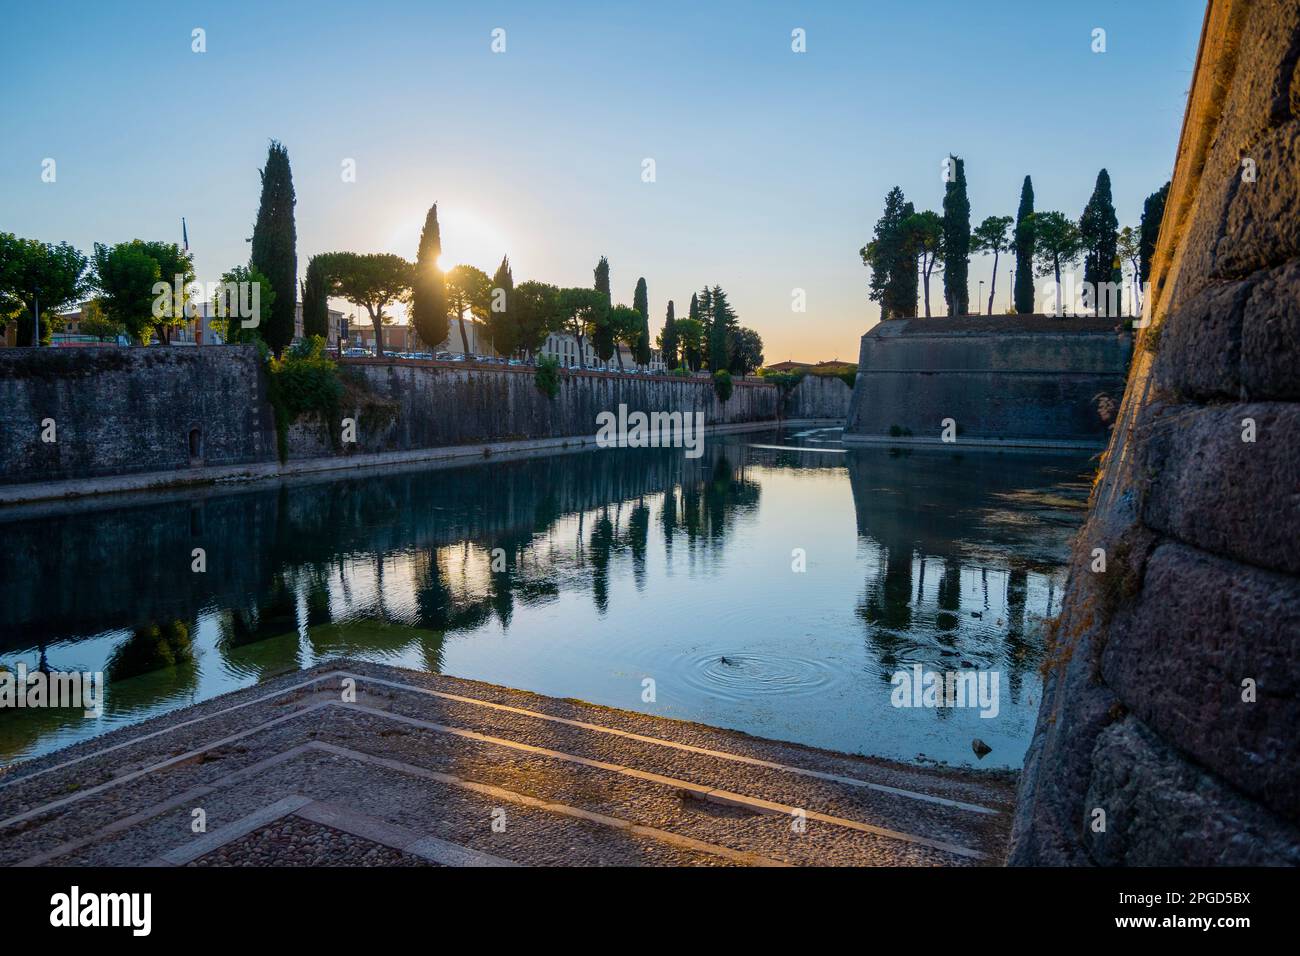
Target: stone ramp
{"points": [[360, 764]]}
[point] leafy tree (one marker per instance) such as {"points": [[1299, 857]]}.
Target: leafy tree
{"points": [[231, 324], [580, 311], [668, 339], [37, 274], [1056, 243], [372, 281], [1023, 244], [625, 328], [956, 241], [176, 269], [992, 236], [468, 290], [691, 335], [746, 351], [724, 321], [315, 297], [274, 247], [924, 234], [535, 307], [1153, 210], [891, 261], [1129, 250], [1098, 235], [501, 316], [95, 322], [429, 287], [640, 346], [125, 275]]}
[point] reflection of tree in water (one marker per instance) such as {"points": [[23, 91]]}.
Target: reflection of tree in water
{"points": [[948, 598], [149, 648], [602, 546], [969, 514], [887, 606], [157, 662], [638, 531], [708, 504], [284, 563]]}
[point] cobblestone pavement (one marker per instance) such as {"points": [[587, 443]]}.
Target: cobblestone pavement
{"points": [[351, 763], [292, 841]]}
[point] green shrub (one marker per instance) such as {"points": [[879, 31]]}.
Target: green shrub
{"points": [[303, 381], [681, 371], [722, 385], [547, 377]]}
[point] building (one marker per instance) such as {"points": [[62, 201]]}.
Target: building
{"points": [[563, 347]]}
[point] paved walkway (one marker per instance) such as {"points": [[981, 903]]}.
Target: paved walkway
{"points": [[359, 764]]}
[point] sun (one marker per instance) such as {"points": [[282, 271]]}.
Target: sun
{"points": [[468, 236]]}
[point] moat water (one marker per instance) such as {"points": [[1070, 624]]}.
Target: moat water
{"points": [[774, 585]]}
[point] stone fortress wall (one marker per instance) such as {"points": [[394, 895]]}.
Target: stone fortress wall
{"points": [[1167, 731]]}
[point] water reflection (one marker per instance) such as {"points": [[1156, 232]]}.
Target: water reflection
{"points": [[577, 574], [959, 541]]}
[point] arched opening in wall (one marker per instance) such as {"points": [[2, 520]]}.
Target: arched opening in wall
{"points": [[196, 445]]}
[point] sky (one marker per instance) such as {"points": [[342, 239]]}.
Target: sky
{"points": [[770, 166]]}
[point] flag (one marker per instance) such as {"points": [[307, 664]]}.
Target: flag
{"points": [[185, 236]]}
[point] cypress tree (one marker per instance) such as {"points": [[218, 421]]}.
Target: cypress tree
{"points": [[274, 247], [641, 302], [1023, 244], [315, 299], [696, 314], [602, 336], [668, 341], [1099, 233], [956, 241], [1153, 210], [429, 313], [602, 278], [501, 324]]}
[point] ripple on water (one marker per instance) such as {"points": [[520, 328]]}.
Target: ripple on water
{"points": [[740, 676]]}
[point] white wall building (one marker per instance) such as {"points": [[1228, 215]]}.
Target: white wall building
{"points": [[563, 347]]}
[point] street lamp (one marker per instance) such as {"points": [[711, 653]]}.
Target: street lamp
{"points": [[979, 306]]}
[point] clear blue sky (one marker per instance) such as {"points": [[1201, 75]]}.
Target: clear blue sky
{"points": [[771, 166]]}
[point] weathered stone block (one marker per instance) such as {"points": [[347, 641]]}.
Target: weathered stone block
{"points": [[1200, 344], [1177, 657], [1208, 487], [1270, 335], [1163, 810], [1260, 226]]}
